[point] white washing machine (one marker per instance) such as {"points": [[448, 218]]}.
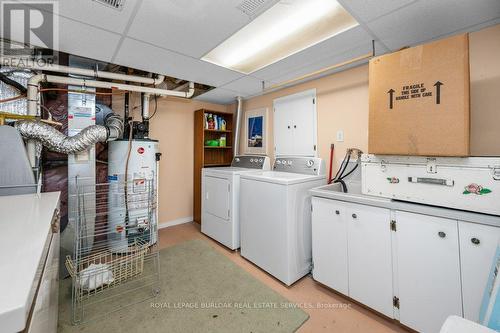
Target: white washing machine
{"points": [[220, 190], [275, 216]]}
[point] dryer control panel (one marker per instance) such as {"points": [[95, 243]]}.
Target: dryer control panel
{"points": [[260, 162], [304, 165]]}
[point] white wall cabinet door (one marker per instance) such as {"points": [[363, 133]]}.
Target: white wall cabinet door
{"points": [[428, 270], [370, 257], [329, 243], [295, 124], [478, 244], [283, 134]]}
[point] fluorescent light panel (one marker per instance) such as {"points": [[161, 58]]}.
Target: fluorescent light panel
{"points": [[284, 29]]}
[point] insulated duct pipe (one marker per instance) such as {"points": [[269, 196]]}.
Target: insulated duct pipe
{"points": [[237, 130], [34, 65], [33, 95], [56, 141]]}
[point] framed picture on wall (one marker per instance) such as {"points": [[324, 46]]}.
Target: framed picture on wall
{"points": [[256, 131]]}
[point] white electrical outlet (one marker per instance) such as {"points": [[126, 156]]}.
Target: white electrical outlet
{"points": [[340, 136]]}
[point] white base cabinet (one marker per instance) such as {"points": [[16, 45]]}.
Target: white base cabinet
{"points": [[329, 244], [416, 268], [369, 253], [478, 244], [352, 251], [428, 271]]}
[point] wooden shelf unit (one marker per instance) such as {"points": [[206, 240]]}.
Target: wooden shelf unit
{"points": [[209, 156]]}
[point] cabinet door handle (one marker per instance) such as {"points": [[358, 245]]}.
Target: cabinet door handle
{"points": [[442, 234], [294, 126], [337, 212], [475, 241], [288, 126], [354, 216]]}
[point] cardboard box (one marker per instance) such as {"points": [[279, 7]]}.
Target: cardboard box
{"points": [[419, 100]]}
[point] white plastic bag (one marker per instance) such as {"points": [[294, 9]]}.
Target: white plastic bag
{"points": [[95, 276]]}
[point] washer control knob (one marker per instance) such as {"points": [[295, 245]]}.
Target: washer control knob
{"points": [[310, 163], [237, 159], [289, 162], [261, 160], [251, 160], [278, 162]]}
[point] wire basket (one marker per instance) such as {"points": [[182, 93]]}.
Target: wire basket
{"points": [[116, 259]]}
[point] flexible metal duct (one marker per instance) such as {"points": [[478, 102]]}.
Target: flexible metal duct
{"points": [[58, 142]]}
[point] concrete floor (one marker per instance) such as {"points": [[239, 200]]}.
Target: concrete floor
{"points": [[338, 314]]}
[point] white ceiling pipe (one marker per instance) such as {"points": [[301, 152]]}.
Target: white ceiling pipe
{"points": [[33, 93], [239, 108], [120, 86], [45, 66], [145, 106], [33, 85]]}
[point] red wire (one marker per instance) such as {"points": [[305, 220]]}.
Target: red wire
{"points": [[332, 147]]}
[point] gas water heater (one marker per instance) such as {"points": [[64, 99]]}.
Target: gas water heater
{"points": [[131, 219]]}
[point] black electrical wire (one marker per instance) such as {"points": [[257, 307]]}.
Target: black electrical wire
{"points": [[343, 184], [338, 171], [350, 172], [156, 107], [5, 79], [344, 166]]}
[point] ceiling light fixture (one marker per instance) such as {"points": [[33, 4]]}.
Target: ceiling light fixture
{"points": [[284, 29]]}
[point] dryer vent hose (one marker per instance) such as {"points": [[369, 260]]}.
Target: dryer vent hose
{"points": [[56, 141]]}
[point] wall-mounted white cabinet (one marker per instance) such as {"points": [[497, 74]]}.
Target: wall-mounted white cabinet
{"points": [[295, 124], [413, 267], [428, 270]]}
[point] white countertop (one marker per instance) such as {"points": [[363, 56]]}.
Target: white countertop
{"points": [[25, 222], [355, 196]]}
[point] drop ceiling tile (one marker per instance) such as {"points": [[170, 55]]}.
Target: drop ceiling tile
{"points": [[80, 39], [247, 85], [190, 27], [93, 13], [219, 96], [333, 46], [368, 10], [356, 52], [428, 19], [147, 57]]}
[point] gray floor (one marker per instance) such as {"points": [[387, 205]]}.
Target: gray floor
{"points": [[201, 291]]}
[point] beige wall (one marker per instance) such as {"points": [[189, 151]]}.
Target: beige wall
{"points": [[485, 91], [173, 126], [342, 102]]}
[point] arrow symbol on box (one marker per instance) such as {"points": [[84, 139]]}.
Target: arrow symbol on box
{"points": [[438, 91], [391, 95]]}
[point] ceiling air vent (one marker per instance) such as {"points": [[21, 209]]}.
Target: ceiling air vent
{"points": [[253, 7], [116, 4]]}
